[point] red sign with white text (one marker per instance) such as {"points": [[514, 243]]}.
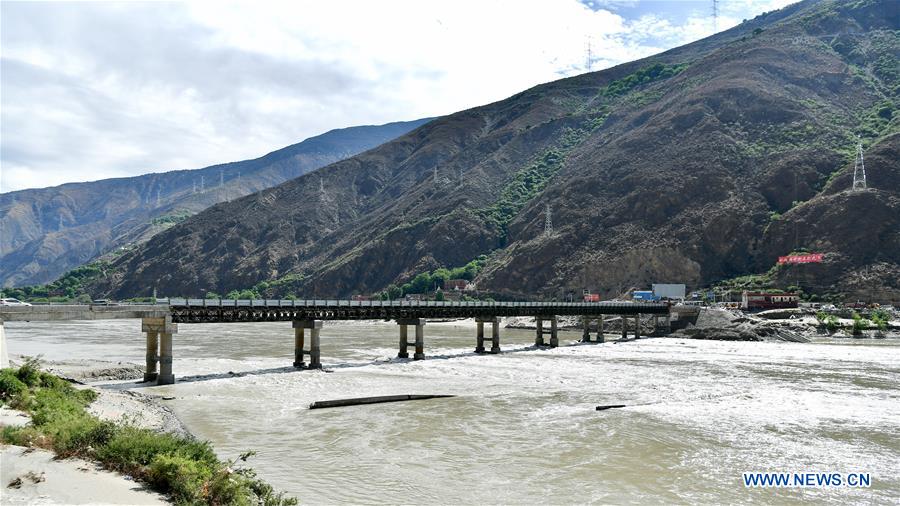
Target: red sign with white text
{"points": [[807, 258]]}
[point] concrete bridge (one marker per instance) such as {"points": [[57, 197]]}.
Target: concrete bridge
{"points": [[160, 321]]}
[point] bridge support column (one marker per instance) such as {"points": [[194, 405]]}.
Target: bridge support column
{"points": [[600, 337], [315, 353], [539, 327], [479, 336], [495, 336], [624, 326], [404, 343], [419, 323], [150, 373], [655, 324], [637, 326], [586, 336], [554, 338], [161, 329]]}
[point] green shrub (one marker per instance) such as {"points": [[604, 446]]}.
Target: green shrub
{"points": [[29, 373], [859, 324], [133, 447], [830, 321], [185, 467], [880, 319], [185, 478], [10, 385]]}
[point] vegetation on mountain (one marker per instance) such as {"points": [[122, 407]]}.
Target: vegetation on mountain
{"points": [[70, 287], [701, 164], [49, 231]]}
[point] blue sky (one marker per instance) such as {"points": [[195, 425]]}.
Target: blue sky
{"points": [[107, 89]]}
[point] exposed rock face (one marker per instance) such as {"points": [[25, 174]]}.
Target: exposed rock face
{"points": [[48, 231], [668, 169]]}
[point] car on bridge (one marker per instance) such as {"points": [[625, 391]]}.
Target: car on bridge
{"points": [[13, 302]]}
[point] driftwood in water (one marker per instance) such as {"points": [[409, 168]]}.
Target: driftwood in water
{"points": [[372, 400], [609, 406]]}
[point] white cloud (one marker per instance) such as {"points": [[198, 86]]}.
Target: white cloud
{"points": [[112, 89]]}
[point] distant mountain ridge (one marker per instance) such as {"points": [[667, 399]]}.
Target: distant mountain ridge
{"points": [[45, 232], [697, 165]]}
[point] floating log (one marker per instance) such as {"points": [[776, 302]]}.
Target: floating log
{"points": [[336, 403], [609, 406]]}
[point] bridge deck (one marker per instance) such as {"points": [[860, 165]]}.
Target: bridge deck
{"points": [[211, 311], [200, 310]]}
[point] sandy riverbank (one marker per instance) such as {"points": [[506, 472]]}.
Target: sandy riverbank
{"points": [[34, 476]]}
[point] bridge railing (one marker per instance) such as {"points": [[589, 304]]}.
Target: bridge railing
{"points": [[334, 303]]}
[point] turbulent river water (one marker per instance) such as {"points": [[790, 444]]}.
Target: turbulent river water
{"points": [[523, 428]]}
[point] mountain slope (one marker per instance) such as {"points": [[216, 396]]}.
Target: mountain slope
{"points": [[668, 169], [48, 231]]}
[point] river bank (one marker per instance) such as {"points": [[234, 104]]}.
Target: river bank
{"points": [[36, 476], [699, 413], [73, 443]]}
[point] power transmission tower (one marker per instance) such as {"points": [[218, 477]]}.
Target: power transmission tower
{"points": [[548, 223], [193, 186], [859, 168], [202, 184], [157, 196], [589, 57], [323, 195], [715, 9]]}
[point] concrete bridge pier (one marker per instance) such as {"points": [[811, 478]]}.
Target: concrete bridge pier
{"points": [[495, 334], [637, 326], [586, 336], [624, 326], [600, 337], [479, 336], [299, 343], [539, 328], [159, 333], [419, 323], [554, 337], [150, 374], [315, 352]]}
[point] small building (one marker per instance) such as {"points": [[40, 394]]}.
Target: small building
{"points": [[763, 300], [669, 291], [644, 295], [360, 297], [456, 284]]}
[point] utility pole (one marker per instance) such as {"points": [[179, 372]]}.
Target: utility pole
{"points": [[859, 167]]}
